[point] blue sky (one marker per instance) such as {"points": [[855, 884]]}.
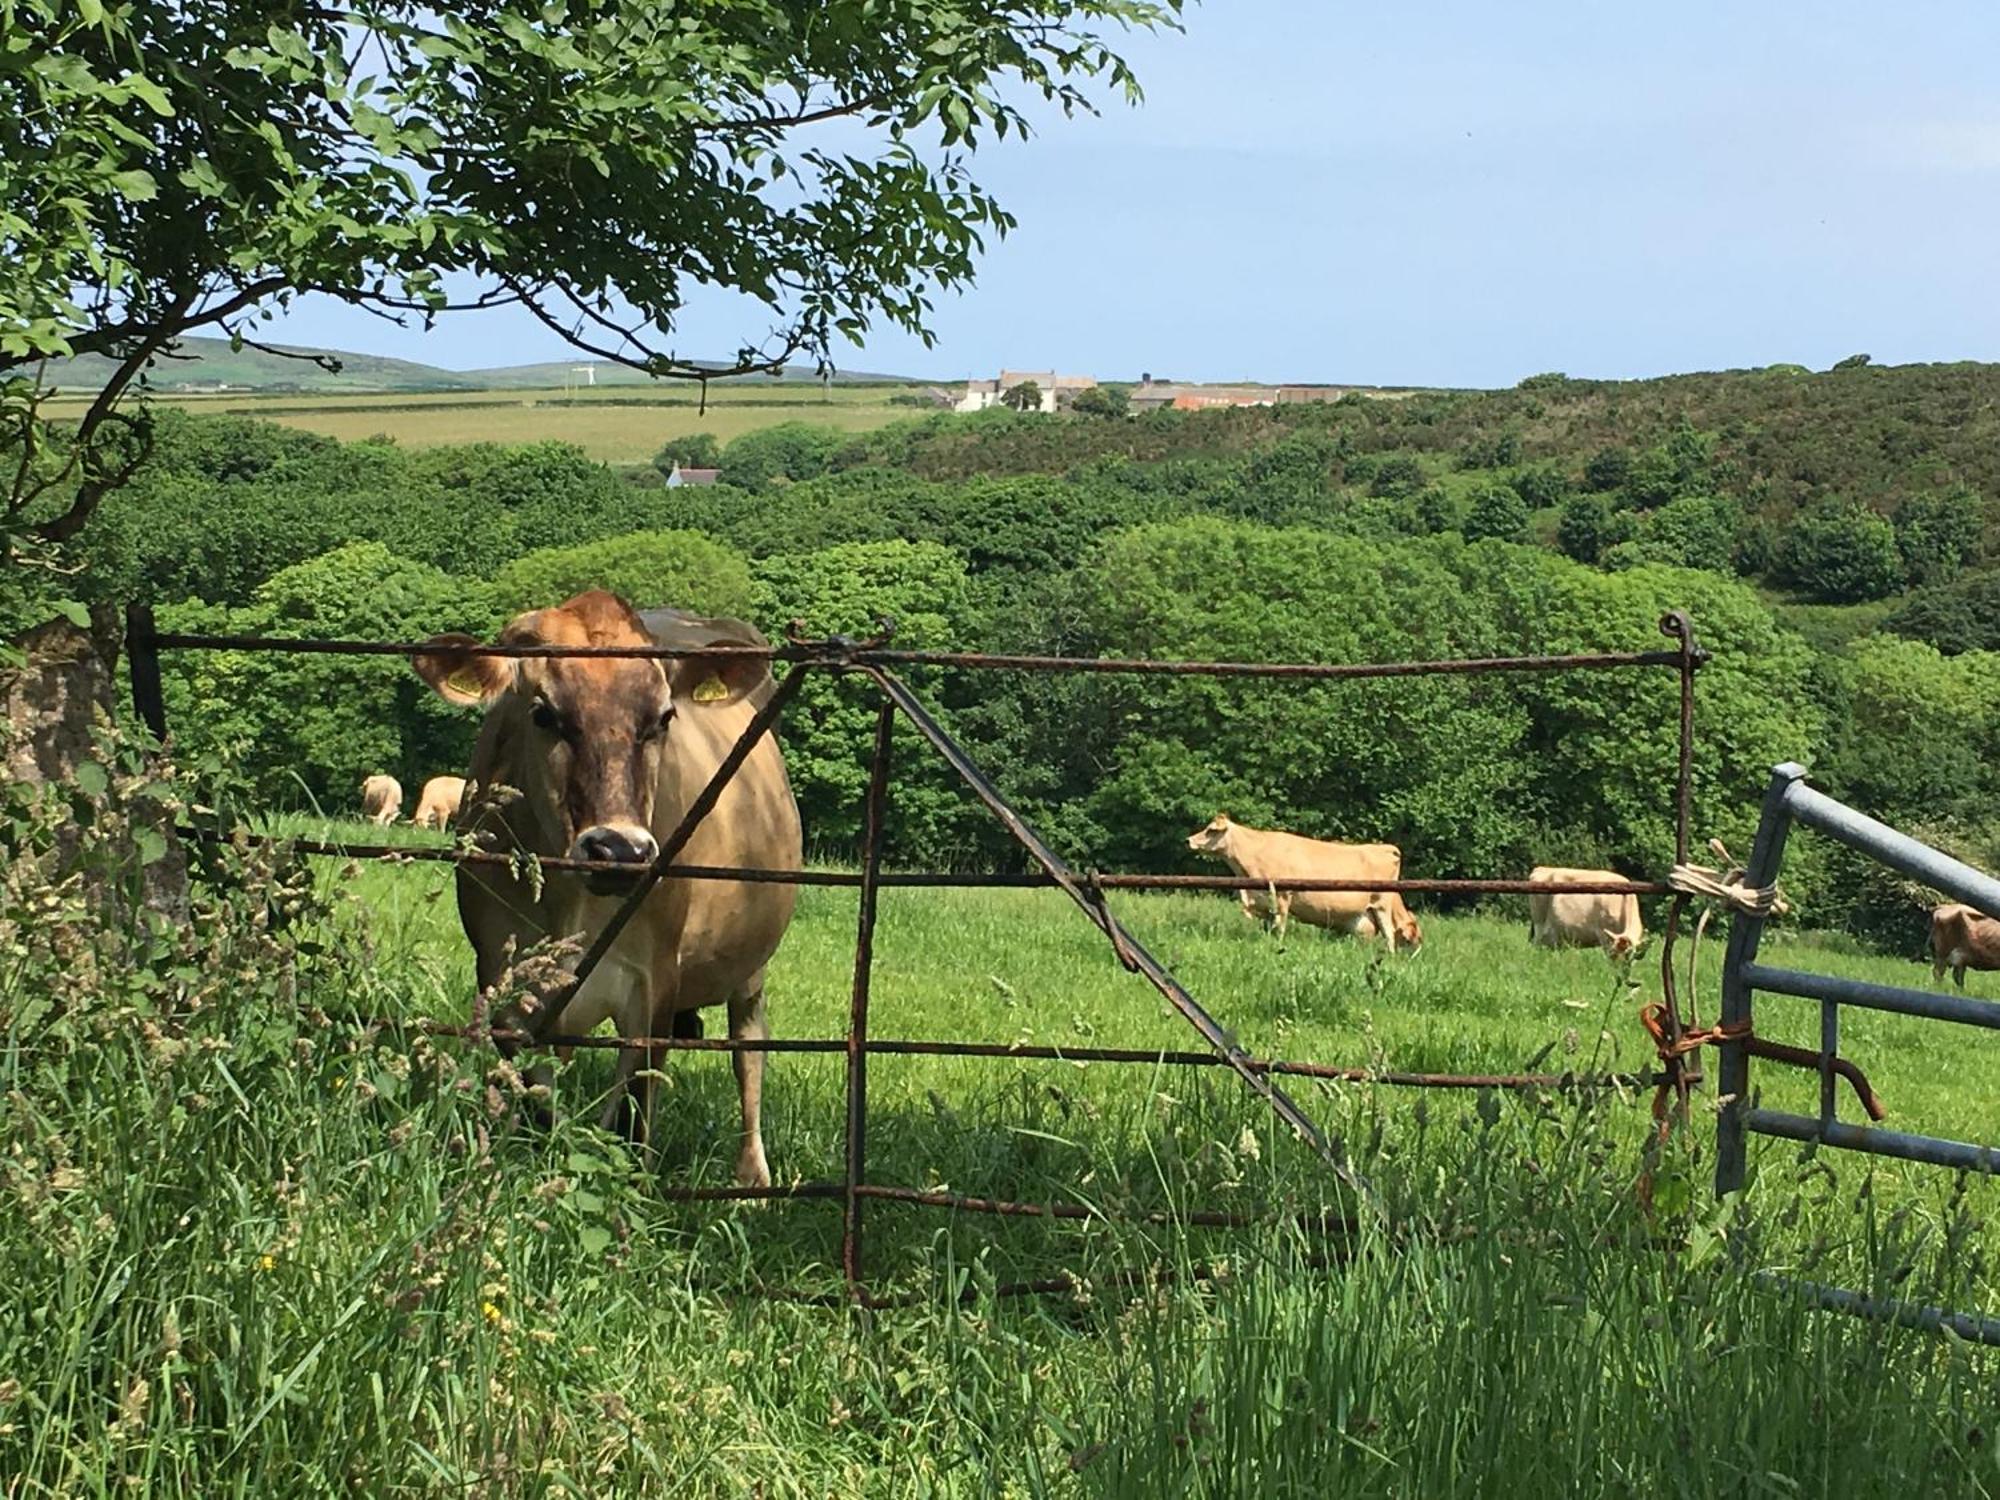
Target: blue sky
{"points": [[1464, 194]]}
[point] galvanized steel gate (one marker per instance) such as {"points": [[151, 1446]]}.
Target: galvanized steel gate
{"points": [[1787, 801]]}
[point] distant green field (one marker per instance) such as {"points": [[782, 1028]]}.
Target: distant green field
{"points": [[617, 425]]}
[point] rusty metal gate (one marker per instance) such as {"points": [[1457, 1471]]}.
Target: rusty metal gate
{"points": [[874, 662], [1790, 800]]}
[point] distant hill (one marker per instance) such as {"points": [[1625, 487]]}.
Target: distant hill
{"points": [[207, 365]]}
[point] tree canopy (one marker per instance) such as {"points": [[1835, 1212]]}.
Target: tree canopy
{"points": [[179, 166]]}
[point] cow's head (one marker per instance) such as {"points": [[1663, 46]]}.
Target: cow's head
{"points": [[1408, 933], [1211, 839], [585, 734]]}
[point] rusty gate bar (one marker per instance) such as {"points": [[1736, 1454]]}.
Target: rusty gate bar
{"points": [[879, 657], [1675, 623], [1133, 954], [704, 802], [1005, 880], [1026, 1052], [874, 821]]}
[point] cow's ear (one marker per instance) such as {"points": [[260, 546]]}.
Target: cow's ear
{"points": [[716, 679], [457, 675]]}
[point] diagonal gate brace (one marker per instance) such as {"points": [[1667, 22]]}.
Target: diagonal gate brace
{"points": [[1131, 952]]}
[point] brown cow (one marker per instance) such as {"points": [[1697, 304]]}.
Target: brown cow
{"points": [[381, 799], [598, 758], [1264, 854], [1963, 938], [1573, 919], [438, 807]]}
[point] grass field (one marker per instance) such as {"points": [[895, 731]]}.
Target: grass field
{"points": [[365, 1279], [617, 425]]}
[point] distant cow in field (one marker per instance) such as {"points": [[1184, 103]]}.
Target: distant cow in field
{"points": [[1961, 939], [1263, 854], [1571, 919], [381, 799], [599, 758], [438, 807]]}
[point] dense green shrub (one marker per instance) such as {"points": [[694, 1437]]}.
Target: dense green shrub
{"points": [[1963, 615], [683, 569], [1496, 511], [1938, 532], [1840, 552], [696, 450], [309, 728], [790, 451], [829, 733]]}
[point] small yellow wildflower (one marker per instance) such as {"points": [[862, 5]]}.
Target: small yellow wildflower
{"points": [[489, 1312], [267, 1263]]}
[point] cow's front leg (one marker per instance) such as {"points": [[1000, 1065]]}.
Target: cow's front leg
{"points": [[747, 1024]]}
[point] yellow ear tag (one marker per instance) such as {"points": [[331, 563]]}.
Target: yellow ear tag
{"points": [[467, 680], [709, 690]]}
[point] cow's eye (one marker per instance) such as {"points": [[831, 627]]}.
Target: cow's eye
{"points": [[545, 718], [658, 726]]}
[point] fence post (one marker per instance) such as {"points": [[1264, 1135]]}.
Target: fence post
{"points": [[1746, 931], [142, 652], [857, 1020]]}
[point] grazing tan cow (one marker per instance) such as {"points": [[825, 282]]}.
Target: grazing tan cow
{"points": [[1262, 854], [438, 807], [381, 799], [1963, 938], [598, 758], [1571, 919]]}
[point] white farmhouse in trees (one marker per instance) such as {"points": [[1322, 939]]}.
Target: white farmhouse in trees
{"points": [[1057, 390]]}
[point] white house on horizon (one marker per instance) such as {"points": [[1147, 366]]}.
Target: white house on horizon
{"points": [[1057, 390]]}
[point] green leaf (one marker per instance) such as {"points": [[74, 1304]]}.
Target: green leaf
{"points": [[77, 614], [135, 185], [152, 846], [92, 779], [595, 1239]]}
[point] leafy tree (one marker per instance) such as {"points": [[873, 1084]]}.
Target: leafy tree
{"points": [[1541, 487], [683, 569], [1937, 532], [1853, 362], [1693, 532], [308, 728], [1435, 510], [1963, 615], [1496, 511], [1580, 529], [1102, 401], [1397, 477], [829, 733], [1841, 552], [789, 451], [1025, 397], [194, 167], [696, 450], [1608, 469]]}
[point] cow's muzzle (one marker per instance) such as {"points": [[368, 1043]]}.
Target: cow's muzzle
{"points": [[623, 844]]}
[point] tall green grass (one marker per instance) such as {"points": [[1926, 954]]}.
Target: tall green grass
{"points": [[257, 1243]]}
